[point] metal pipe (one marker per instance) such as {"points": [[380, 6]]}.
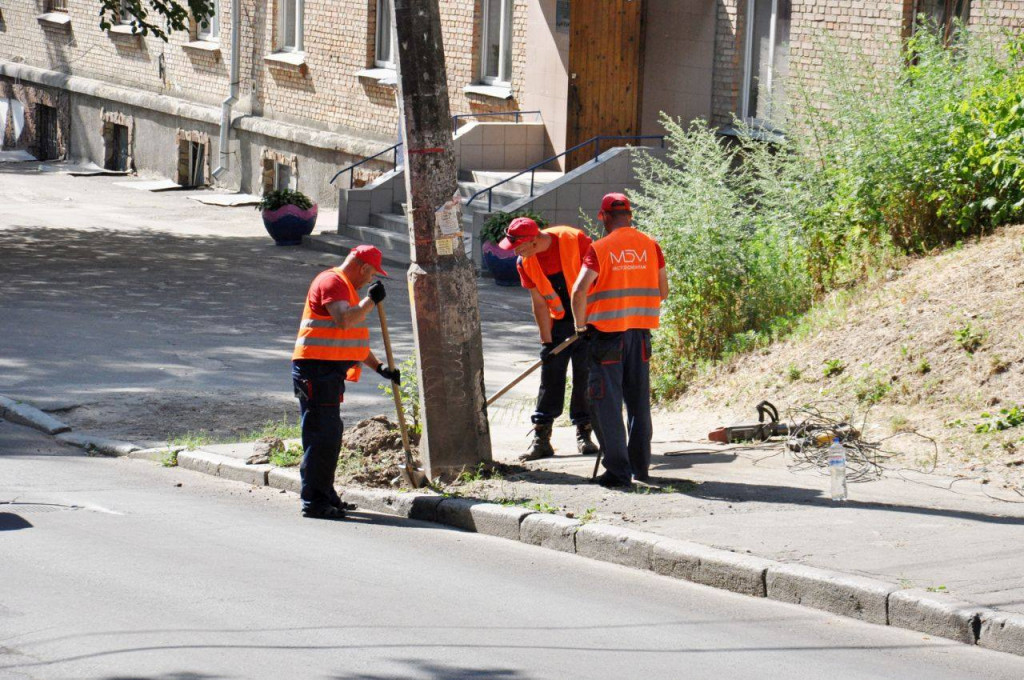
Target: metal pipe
{"points": [[225, 109]]}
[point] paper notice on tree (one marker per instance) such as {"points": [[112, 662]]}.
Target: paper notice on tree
{"points": [[446, 246], [449, 216]]}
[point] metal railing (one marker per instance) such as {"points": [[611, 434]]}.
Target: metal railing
{"points": [[515, 114], [593, 141], [351, 170]]}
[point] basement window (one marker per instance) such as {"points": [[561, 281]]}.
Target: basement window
{"points": [[277, 176], [115, 141], [46, 133]]}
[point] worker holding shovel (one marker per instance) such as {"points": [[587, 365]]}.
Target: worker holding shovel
{"points": [[333, 341], [549, 262]]}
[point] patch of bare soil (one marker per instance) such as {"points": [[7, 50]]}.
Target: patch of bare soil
{"points": [[936, 349], [371, 453]]}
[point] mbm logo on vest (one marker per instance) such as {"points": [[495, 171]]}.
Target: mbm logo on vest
{"points": [[628, 259]]}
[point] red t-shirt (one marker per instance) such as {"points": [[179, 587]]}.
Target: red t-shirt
{"points": [[590, 259], [551, 261], [326, 288]]}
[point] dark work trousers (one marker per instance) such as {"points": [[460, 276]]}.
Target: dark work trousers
{"points": [[620, 373], [320, 387], [551, 396]]}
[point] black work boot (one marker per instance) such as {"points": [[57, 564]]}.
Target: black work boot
{"points": [[540, 447], [584, 444]]}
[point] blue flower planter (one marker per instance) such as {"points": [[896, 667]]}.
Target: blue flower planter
{"points": [[502, 264], [288, 224]]}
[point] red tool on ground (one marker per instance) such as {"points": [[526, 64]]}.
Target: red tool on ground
{"points": [[759, 431]]}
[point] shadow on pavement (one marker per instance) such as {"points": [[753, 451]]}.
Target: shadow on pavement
{"points": [[11, 522]]}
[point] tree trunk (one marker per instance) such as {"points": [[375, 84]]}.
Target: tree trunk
{"points": [[442, 279]]}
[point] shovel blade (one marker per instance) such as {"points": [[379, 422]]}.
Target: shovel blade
{"points": [[415, 476]]}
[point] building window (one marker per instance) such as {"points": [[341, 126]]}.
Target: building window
{"points": [[496, 58], [116, 150], [57, 6], [942, 14], [766, 59], [125, 17], [278, 172], [289, 25], [385, 43], [209, 28], [46, 132]]}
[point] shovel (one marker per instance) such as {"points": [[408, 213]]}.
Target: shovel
{"points": [[522, 376], [415, 476]]}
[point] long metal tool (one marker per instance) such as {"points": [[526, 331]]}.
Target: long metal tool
{"points": [[522, 376], [416, 477]]}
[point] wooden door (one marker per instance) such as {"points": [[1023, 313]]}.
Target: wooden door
{"points": [[606, 48]]}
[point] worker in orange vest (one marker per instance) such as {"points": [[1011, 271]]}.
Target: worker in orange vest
{"points": [[549, 262], [616, 301], [333, 342]]}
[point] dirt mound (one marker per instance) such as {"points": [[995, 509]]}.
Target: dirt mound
{"points": [[372, 453], [936, 349]]}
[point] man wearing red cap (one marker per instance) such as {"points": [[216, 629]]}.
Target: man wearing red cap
{"points": [[549, 261], [617, 302], [333, 340]]}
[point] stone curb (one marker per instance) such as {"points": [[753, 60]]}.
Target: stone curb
{"points": [[98, 445], [26, 414], [926, 613], [844, 594], [854, 596]]}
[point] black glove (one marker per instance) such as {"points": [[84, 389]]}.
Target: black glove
{"points": [[585, 333], [546, 350], [377, 292], [394, 375]]}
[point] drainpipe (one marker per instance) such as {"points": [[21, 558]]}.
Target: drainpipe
{"points": [[225, 110]]}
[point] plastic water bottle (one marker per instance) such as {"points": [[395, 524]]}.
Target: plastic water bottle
{"points": [[837, 469]]}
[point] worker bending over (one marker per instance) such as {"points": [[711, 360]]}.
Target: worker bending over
{"points": [[549, 262], [333, 340], [616, 301]]}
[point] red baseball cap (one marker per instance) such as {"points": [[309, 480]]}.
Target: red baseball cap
{"points": [[520, 230], [370, 256], [615, 203]]}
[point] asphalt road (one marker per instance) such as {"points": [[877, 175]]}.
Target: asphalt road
{"points": [[113, 568]]}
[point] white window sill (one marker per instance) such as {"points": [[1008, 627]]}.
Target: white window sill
{"points": [[383, 76], [288, 61], [123, 29], [207, 46], [495, 91], [55, 19]]}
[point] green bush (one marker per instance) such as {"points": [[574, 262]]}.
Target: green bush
{"points": [[272, 200]]}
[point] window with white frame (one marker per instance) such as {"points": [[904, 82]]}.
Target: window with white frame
{"points": [[125, 16], [209, 28], [496, 39], [385, 40], [289, 25], [766, 59], [57, 6]]}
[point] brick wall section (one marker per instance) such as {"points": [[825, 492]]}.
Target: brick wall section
{"points": [[856, 26], [31, 96], [338, 38]]}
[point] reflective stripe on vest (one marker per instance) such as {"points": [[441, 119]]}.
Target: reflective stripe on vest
{"points": [[568, 255], [320, 338], [626, 293]]}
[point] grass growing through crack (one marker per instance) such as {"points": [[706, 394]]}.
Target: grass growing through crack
{"points": [[170, 458], [289, 456], [285, 428], [191, 440]]}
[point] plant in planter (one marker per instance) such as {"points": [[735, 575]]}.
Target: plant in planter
{"points": [[502, 263], [288, 216]]}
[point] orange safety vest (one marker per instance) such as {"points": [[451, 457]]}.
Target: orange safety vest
{"points": [[569, 254], [625, 294], [321, 338]]}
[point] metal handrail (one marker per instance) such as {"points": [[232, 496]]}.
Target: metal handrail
{"points": [[456, 119], [352, 168], [595, 141]]}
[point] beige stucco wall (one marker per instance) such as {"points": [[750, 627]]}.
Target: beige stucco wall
{"points": [[546, 77]]}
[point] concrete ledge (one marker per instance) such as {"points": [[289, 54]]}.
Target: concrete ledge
{"points": [[24, 414], [481, 517], [853, 596], [156, 455], [926, 613], [711, 567], [200, 461], [237, 471], [97, 445], [283, 478], [549, 531], [613, 544], [1002, 631], [372, 499], [417, 506]]}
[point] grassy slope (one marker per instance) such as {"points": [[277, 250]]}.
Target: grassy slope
{"points": [[899, 344]]}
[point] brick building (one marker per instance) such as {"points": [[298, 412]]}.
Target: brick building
{"points": [[317, 79]]}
